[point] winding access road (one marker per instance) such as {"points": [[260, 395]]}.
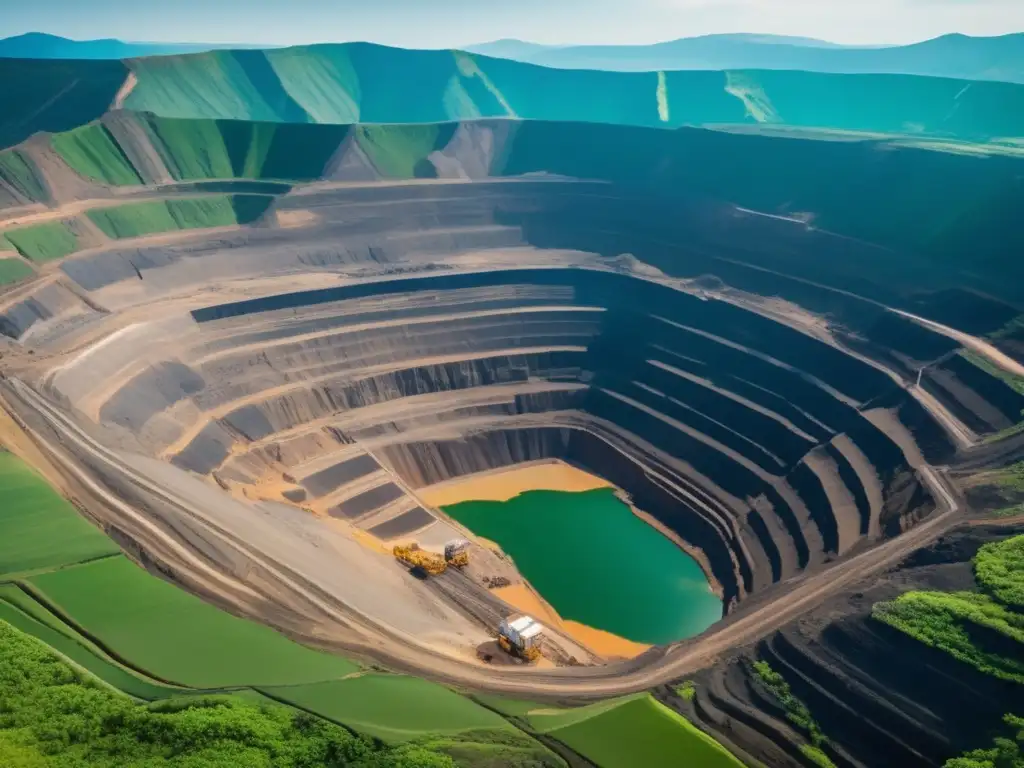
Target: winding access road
{"points": [[404, 651]]}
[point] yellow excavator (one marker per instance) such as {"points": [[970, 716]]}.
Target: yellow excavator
{"points": [[420, 559], [456, 553]]}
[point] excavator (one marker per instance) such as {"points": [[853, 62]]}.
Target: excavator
{"points": [[456, 554], [420, 559]]}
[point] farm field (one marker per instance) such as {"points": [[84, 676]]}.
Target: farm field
{"points": [[175, 636], [39, 528], [392, 708], [636, 731]]}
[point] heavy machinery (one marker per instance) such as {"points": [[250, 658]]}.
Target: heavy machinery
{"points": [[420, 559], [520, 636], [456, 553]]}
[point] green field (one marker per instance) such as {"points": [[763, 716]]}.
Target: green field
{"points": [[54, 714], [138, 219], [38, 527], [44, 242], [636, 731], [393, 708], [93, 153], [175, 636], [47, 628], [12, 269]]}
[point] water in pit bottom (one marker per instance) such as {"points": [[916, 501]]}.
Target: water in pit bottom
{"points": [[597, 563]]}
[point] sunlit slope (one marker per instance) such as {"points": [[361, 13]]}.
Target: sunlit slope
{"points": [[360, 82]]}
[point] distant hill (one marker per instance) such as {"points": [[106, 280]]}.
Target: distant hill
{"points": [[365, 83], [36, 45], [957, 56]]}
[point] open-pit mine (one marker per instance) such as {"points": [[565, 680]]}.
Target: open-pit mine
{"points": [[676, 388]]}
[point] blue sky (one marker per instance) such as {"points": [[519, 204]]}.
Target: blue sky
{"points": [[444, 23]]}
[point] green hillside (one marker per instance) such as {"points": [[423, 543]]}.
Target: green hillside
{"points": [[360, 82], [137, 219], [93, 153], [225, 149]]}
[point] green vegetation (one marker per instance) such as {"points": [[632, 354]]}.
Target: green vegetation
{"points": [[505, 748], [393, 708], [687, 690], [983, 629], [1005, 752], [175, 636], [999, 569], [400, 151], [13, 269], [637, 730], [44, 242], [39, 528], [816, 756], [230, 149], [1012, 380], [54, 715], [17, 170], [970, 627], [137, 219], [92, 152], [17, 610], [796, 711]]}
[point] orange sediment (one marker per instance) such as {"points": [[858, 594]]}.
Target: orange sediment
{"points": [[600, 642], [505, 484]]}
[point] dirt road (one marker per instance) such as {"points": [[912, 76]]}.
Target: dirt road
{"points": [[406, 652]]}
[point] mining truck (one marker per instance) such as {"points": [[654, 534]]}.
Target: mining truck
{"points": [[419, 559], [456, 553], [520, 636]]}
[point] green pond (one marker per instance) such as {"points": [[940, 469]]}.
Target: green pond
{"points": [[597, 563]]}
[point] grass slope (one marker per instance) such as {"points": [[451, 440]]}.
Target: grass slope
{"points": [[393, 708], [44, 242], [230, 149], [376, 84], [17, 170], [38, 527], [177, 637], [93, 153], [56, 715], [636, 731], [400, 151], [12, 269], [138, 219], [47, 628]]}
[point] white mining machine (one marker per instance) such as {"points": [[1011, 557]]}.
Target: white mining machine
{"points": [[520, 636]]}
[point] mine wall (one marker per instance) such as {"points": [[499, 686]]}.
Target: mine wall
{"points": [[880, 697], [743, 436]]}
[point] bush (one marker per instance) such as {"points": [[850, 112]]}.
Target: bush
{"points": [[1004, 753], [816, 756], [796, 711], [999, 569]]}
